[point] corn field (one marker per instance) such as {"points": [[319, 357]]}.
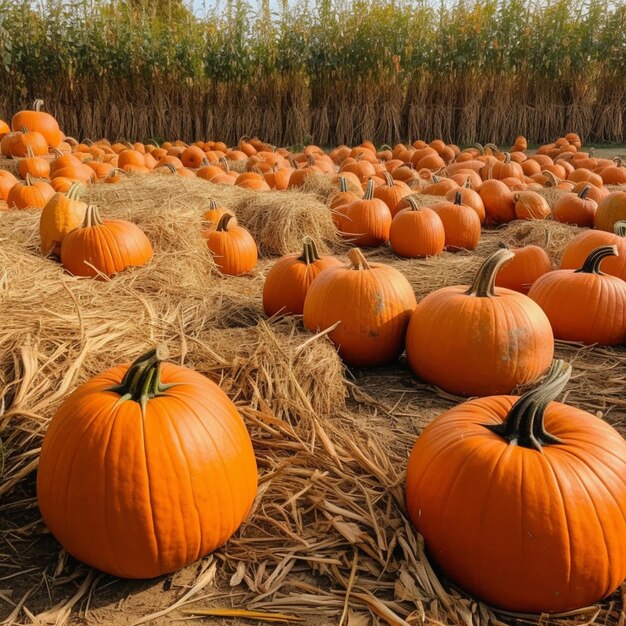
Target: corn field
{"points": [[324, 71]]}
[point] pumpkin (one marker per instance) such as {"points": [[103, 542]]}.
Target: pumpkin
{"points": [[584, 305], [366, 221], [583, 244], [520, 500], [469, 198], [499, 202], [417, 232], [611, 210], [440, 186], [370, 305], [289, 279], [5, 129], [145, 469], [529, 205], [597, 194], [500, 170], [36, 166], [213, 214], [460, 222], [29, 194], [479, 340], [62, 214], [575, 209], [520, 144], [28, 143], [104, 247], [7, 182], [37, 121], [233, 248], [582, 174], [391, 191], [528, 264], [614, 174]]}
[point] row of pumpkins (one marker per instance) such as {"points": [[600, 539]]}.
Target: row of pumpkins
{"points": [[521, 500]]}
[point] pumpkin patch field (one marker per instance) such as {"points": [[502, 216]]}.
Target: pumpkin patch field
{"points": [[359, 385]]}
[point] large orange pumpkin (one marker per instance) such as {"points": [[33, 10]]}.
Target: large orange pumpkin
{"points": [[371, 304], [479, 340], [584, 305], [610, 210], [528, 264], [38, 121], [417, 232], [575, 209], [521, 501], [29, 194], [289, 279], [145, 469], [104, 247]]}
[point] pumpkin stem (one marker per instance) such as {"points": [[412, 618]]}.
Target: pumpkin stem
{"points": [[552, 179], [37, 105], [343, 184], [359, 262], [388, 179], [493, 147], [582, 194], [618, 161], [524, 425], [75, 191], [413, 205], [592, 262], [142, 381], [385, 146], [309, 251], [480, 148], [369, 191], [504, 245], [28, 180], [204, 162], [92, 217], [485, 281], [222, 225], [458, 198], [620, 228], [225, 165]]}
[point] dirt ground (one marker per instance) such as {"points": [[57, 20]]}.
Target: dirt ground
{"points": [[328, 540]]}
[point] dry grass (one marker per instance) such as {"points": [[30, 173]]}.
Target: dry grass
{"points": [[328, 539]]}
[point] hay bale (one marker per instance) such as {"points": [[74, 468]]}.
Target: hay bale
{"points": [[547, 234]]}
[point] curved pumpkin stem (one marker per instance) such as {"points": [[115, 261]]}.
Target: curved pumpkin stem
{"points": [[28, 181], [507, 157], [620, 228], [458, 198], [37, 105], [224, 162], [552, 179], [618, 161], [75, 191], [413, 205], [480, 148], [582, 194], [142, 381], [224, 222], [493, 147], [359, 262], [389, 181], [204, 162], [309, 251], [369, 191], [592, 262], [485, 281], [525, 422], [92, 217]]}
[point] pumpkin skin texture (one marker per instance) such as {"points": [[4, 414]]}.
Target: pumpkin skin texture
{"points": [[499, 202], [584, 305], [529, 263], [29, 194], [108, 468], [417, 232], [289, 279], [480, 340], [461, 224], [581, 246], [612, 209], [541, 532], [7, 182], [576, 209], [372, 303], [62, 214], [529, 205], [233, 249], [365, 222], [110, 246]]}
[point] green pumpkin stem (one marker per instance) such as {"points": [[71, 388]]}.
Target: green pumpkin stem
{"points": [[359, 262], [369, 191], [525, 422], [592, 262], [485, 281], [620, 228], [142, 381], [309, 251]]}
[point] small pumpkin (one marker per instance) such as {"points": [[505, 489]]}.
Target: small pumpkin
{"points": [[479, 340], [391, 191], [153, 460], [584, 305], [233, 248], [370, 303], [530, 205], [289, 279], [104, 247], [28, 143], [417, 232], [520, 500], [62, 214], [36, 166], [29, 194], [583, 244], [366, 221], [7, 182], [614, 174], [528, 264], [460, 222], [576, 209], [469, 198]]}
